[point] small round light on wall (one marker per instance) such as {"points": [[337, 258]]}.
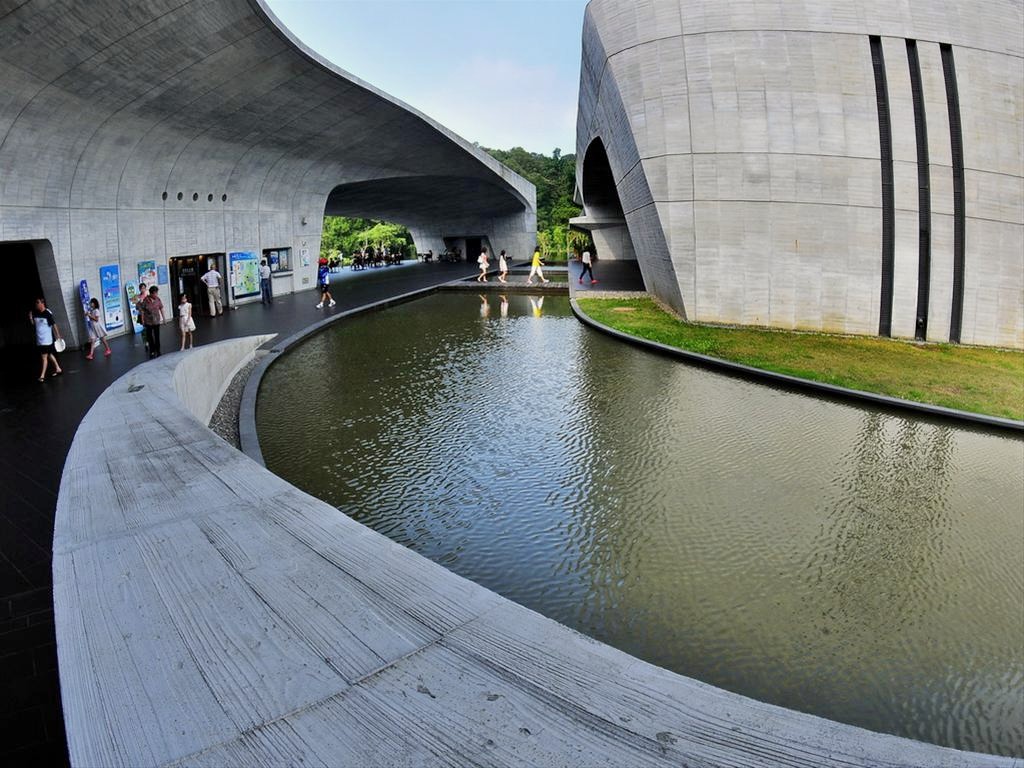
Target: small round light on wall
{"points": [[163, 196], [303, 221], [209, 198], [223, 198], [180, 195], [195, 196]]}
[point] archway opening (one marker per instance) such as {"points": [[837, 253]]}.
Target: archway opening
{"points": [[600, 196], [29, 273]]}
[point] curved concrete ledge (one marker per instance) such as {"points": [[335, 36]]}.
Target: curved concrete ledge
{"points": [[794, 382], [209, 613]]}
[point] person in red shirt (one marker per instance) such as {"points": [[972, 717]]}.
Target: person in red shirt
{"points": [[152, 317]]}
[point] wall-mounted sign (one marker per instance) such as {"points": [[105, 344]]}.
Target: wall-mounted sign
{"points": [[110, 287], [131, 290], [161, 275]]}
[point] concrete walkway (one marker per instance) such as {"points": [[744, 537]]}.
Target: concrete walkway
{"points": [[38, 423]]}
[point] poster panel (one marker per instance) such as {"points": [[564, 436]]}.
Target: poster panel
{"points": [[245, 274], [131, 290], [110, 288], [147, 273], [83, 296]]}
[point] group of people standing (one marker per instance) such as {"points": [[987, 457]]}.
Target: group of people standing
{"points": [[149, 309]]}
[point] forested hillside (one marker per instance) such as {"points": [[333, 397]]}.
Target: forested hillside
{"points": [[554, 177]]}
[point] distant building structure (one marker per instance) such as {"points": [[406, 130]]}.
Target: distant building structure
{"points": [[835, 166], [161, 137]]}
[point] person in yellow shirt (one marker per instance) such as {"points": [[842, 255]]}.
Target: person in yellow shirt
{"points": [[535, 267]]}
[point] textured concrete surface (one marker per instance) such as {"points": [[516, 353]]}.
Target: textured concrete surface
{"points": [[150, 130], [208, 613], [743, 142], [38, 423]]}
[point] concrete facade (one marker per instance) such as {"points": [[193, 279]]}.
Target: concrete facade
{"points": [[134, 131], [746, 149]]}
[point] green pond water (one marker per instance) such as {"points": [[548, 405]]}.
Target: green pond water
{"points": [[857, 564]]}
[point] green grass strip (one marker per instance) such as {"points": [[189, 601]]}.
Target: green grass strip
{"points": [[977, 379]]}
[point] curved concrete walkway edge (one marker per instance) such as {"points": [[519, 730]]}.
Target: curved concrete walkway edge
{"points": [[832, 742], [794, 382]]}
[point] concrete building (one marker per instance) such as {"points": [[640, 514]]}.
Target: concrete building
{"points": [[161, 136], [835, 166]]}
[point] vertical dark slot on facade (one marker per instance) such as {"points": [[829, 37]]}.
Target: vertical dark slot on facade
{"points": [[888, 187], [924, 198], [956, 143]]}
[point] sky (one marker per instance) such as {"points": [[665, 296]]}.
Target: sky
{"points": [[502, 73]]}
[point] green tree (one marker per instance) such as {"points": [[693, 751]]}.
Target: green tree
{"points": [[555, 180]]}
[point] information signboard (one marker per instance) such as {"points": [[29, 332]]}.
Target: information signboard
{"points": [[245, 274], [110, 288]]}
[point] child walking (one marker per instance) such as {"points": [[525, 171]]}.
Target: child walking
{"points": [[185, 322], [482, 261], [97, 331], [502, 267]]}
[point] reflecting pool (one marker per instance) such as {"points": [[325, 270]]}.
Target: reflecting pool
{"points": [[860, 565]]}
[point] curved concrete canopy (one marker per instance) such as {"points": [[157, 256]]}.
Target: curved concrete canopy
{"points": [[147, 130]]}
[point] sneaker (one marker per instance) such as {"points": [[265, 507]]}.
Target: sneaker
{"points": [[593, 281], [333, 302], [108, 353], [320, 305], [88, 357], [581, 281]]}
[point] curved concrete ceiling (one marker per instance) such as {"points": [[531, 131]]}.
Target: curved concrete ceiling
{"points": [[134, 129]]}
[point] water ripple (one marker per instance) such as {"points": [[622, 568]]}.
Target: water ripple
{"points": [[839, 560]]}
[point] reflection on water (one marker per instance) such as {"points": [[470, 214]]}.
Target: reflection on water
{"points": [[860, 565]]}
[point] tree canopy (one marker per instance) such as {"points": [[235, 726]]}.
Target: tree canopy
{"points": [[554, 177]]}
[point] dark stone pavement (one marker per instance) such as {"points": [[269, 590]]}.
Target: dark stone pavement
{"points": [[37, 424], [611, 276]]}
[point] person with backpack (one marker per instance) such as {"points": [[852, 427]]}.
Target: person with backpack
{"points": [[535, 268], [323, 280], [47, 333], [482, 261]]}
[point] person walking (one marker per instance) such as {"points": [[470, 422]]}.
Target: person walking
{"points": [[266, 294], [97, 333], [185, 322], [502, 267], [588, 266], [152, 316], [47, 333], [535, 267], [323, 280], [213, 279], [139, 298], [482, 261]]}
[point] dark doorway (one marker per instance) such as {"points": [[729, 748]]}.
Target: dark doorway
{"points": [[22, 288], [185, 273], [473, 249]]}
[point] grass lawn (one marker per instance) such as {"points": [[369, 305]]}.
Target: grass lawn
{"points": [[981, 380]]}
